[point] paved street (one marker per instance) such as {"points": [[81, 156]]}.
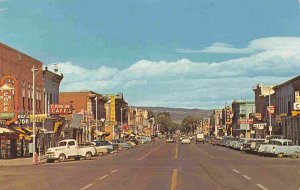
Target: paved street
{"points": [[160, 166]]}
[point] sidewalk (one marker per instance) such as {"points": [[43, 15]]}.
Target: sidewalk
{"points": [[19, 161]]}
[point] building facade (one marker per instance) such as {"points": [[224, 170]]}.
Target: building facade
{"points": [[287, 116], [16, 100], [241, 121], [90, 105]]}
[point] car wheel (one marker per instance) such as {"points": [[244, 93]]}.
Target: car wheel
{"points": [[280, 155], [88, 156], [77, 158], [50, 161], [295, 155], [62, 158]]}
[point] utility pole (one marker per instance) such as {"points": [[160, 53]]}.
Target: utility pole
{"points": [[270, 119]]}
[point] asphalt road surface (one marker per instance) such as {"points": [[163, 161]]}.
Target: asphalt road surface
{"points": [[160, 166]]}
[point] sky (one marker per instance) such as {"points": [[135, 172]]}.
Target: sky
{"points": [[168, 53]]}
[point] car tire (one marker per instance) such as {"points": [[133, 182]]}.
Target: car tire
{"points": [[50, 161], [295, 155], [280, 155], [88, 156], [62, 158]]}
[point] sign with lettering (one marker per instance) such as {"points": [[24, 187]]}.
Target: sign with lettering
{"points": [[60, 109], [245, 121], [297, 106], [9, 99], [259, 126], [112, 108], [23, 119], [38, 118]]}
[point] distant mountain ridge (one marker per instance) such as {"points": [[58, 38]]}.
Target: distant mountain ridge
{"points": [[178, 114]]}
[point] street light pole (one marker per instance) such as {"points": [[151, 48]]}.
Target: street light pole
{"points": [[33, 114], [121, 122], [270, 119], [97, 113]]}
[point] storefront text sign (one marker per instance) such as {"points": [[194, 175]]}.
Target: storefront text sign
{"points": [[38, 118], [23, 119], [112, 108], [9, 99], [60, 109]]}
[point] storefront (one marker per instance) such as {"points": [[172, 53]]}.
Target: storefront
{"points": [[8, 143]]}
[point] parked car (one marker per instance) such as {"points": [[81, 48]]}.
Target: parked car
{"points": [[143, 139], [69, 149], [231, 143], [239, 144], [216, 141], [280, 148], [122, 144], [100, 152], [225, 140], [186, 140], [102, 145]]}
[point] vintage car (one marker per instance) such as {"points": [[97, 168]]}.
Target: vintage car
{"points": [[280, 148]]}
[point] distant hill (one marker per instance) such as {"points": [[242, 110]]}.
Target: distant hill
{"points": [[178, 114]]}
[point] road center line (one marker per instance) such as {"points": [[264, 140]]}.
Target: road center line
{"points": [[149, 153], [236, 171], [247, 177], [86, 187], [176, 152], [207, 154], [261, 186], [174, 180], [114, 171], [103, 177]]}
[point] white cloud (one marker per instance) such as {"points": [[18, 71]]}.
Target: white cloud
{"points": [[185, 83], [2, 9], [272, 43]]}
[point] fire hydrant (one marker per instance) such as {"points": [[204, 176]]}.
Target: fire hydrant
{"points": [[35, 158]]}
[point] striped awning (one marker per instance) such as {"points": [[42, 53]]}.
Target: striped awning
{"points": [[6, 130]]}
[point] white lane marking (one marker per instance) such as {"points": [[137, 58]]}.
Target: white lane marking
{"points": [[114, 171], [261, 186], [86, 187], [247, 177], [207, 154], [236, 171], [103, 177], [149, 153]]}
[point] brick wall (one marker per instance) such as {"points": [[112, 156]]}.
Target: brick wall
{"points": [[19, 65]]}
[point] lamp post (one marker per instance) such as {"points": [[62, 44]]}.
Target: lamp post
{"points": [[96, 113], [103, 126], [121, 120], [35, 71], [270, 119]]}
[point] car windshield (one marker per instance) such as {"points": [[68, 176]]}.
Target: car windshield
{"points": [[63, 143]]}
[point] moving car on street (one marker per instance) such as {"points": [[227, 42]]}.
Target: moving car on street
{"points": [[200, 138], [170, 139], [186, 140], [69, 149]]}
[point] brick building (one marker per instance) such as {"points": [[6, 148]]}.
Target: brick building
{"points": [[15, 135], [84, 103]]}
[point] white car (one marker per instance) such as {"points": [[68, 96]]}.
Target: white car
{"points": [[69, 149], [186, 141]]}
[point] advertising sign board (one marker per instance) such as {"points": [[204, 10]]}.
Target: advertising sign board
{"points": [[60, 109]]}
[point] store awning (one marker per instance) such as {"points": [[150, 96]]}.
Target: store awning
{"points": [[6, 130]]}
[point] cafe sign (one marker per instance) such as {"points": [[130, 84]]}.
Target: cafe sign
{"points": [[8, 100], [60, 109]]}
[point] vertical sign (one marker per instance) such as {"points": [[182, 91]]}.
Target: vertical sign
{"points": [[112, 108], [9, 100]]}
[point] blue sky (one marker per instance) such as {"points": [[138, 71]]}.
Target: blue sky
{"points": [[160, 52]]}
